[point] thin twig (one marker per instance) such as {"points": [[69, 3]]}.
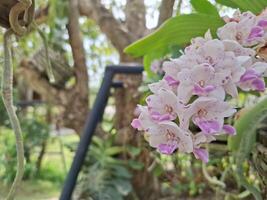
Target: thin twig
{"points": [[212, 180], [49, 69]]}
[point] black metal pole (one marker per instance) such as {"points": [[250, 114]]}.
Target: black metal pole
{"points": [[91, 123], [85, 140], [125, 69]]}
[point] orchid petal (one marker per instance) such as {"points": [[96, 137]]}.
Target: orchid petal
{"points": [[167, 149], [230, 130], [209, 127], [201, 154]]}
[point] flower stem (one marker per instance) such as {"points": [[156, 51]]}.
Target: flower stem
{"points": [[7, 95]]}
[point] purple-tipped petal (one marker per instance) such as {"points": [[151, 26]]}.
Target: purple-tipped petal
{"points": [[255, 33], [160, 118], [155, 115], [209, 127], [209, 88], [136, 124], [165, 117], [258, 84], [167, 149], [248, 75], [228, 129], [263, 23], [201, 154], [171, 81], [198, 90]]}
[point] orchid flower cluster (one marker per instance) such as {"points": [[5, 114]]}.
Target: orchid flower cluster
{"points": [[194, 87]]}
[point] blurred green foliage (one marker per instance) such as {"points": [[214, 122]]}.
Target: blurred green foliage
{"points": [[35, 133], [104, 177], [255, 6]]}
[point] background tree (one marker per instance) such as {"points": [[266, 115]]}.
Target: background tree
{"points": [[74, 99]]}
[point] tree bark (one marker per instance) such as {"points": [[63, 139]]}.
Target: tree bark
{"points": [[135, 13], [165, 10], [79, 101]]}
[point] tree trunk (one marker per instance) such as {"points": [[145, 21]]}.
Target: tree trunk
{"points": [[40, 157], [126, 99], [75, 100]]}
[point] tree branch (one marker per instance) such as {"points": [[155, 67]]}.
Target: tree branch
{"points": [[165, 10], [38, 83], [41, 14], [115, 31], [78, 52]]}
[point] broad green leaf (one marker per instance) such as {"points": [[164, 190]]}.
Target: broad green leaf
{"points": [[178, 30], [247, 125], [205, 7], [228, 3], [148, 59], [173, 50], [243, 143], [255, 6]]}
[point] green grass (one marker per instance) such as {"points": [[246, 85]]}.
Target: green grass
{"points": [[47, 185], [34, 190]]}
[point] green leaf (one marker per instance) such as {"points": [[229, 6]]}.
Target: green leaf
{"points": [[124, 187], [255, 6], [243, 143], [120, 171], [246, 127], [134, 151], [175, 51], [97, 141], [205, 7], [228, 3], [178, 30], [158, 170], [111, 151], [136, 165], [109, 193]]}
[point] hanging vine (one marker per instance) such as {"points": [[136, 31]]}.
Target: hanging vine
{"points": [[18, 27]]}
